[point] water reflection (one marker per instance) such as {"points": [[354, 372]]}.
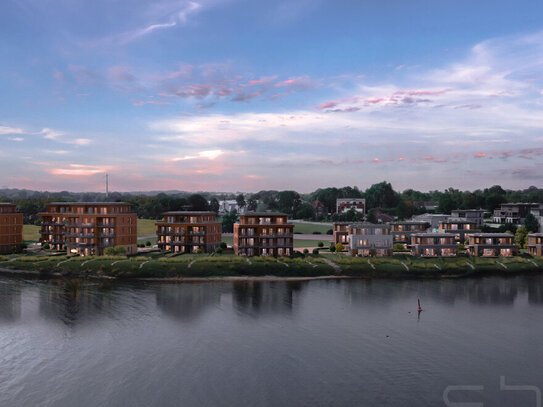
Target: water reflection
{"points": [[188, 301], [257, 297], [10, 300]]}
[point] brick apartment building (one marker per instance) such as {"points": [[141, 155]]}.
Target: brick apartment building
{"points": [[535, 244], [11, 229], [263, 234], [88, 228], [189, 232]]}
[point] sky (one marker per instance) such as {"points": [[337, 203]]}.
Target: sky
{"points": [[245, 95]]}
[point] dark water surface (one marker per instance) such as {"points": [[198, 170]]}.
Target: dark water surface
{"points": [[316, 343]]}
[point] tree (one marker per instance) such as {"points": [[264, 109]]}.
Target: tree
{"points": [[252, 204], [371, 216], [520, 236], [340, 247], [332, 247], [403, 210], [531, 223], [305, 211], [381, 195], [228, 221], [289, 202], [198, 203], [240, 200], [214, 205], [321, 244]]}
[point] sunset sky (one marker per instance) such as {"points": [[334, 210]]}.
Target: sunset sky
{"points": [[244, 95]]}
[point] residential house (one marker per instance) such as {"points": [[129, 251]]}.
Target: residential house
{"points": [[11, 228], [514, 213], [535, 244], [459, 227], [432, 218], [346, 204], [189, 232], [340, 233], [370, 239], [433, 245], [475, 215], [88, 228], [402, 230], [263, 234], [492, 245]]}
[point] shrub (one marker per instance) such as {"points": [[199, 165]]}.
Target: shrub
{"points": [[148, 243], [218, 250], [45, 246], [330, 232], [321, 244], [224, 245], [315, 251], [199, 251], [340, 247], [316, 232], [115, 251], [306, 251], [332, 247], [398, 247]]}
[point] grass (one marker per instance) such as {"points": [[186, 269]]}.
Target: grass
{"points": [[309, 228], [31, 233], [146, 227]]}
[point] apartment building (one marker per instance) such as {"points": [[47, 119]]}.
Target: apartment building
{"points": [[459, 227], [475, 215], [340, 233], [433, 245], [402, 231], [11, 229], [189, 232], [492, 245], [263, 234], [88, 228], [345, 204], [535, 244], [514, 213], [370, 239]]}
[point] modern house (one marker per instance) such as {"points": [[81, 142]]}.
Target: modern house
{"points": [[475, 215], [88, 228], [492, 245], [538, 213], [11, 229], [432, 218], [514, 213], [345, 204], [402, 230], [370, 239], [433, 245], [263, 234], [459, 227], [535, 244], [189, 232], [341, 233]]}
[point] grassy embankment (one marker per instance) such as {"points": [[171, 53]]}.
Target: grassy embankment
{"points": [[157, 265]]}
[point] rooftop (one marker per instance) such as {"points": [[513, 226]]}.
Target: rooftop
{"points": [[263, 214], [492, 235], [447, 235], [189, 213], [86, 203]]}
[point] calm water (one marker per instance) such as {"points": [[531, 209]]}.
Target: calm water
{"points": [[317, 343]]}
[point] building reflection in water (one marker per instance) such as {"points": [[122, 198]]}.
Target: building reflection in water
{"points": [[188, 301], [10, 300], [261, 297]]}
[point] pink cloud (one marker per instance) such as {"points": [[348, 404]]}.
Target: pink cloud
{"points": [[479, 155], [261, 81], [327, 105], [376, 100]]}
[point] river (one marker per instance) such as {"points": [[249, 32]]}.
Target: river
{"points": [[311, 343]]}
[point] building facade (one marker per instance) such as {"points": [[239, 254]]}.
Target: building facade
{"points": [[475, 215], [514, 213], [433, 245], [432, 218], [11, 229], [341, 233], [535, 244], [263, 234], [189, 232], [459, 228], [345, 204], [370, 239], [88, 228], [492, 245], [402, 231]]}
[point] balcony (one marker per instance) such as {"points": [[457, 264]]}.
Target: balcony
{"points": [[79, 225]]}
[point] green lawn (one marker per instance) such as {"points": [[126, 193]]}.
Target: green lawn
{"points": [[31, 233], [146, 227], [307, 228]]}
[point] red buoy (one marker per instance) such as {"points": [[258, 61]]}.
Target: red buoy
{"points": [[420, 309]]}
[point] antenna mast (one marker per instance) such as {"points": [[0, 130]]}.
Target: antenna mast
{"points": [[107, 185]]}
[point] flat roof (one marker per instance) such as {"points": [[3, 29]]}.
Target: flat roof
{"points": [[461, 220], [189, 213], [368, 224], [263, 214], [449, 235], [535, 234], [409, 222], [87, 203], [492, 235]]}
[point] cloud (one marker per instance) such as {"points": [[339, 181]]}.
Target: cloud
{"points": [[10, 130], [210, 155], [16, 139], [79, 170]]}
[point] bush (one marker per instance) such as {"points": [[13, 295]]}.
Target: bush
{"points": [[315, 251], [199, 251], [332, 247], [398, 247], [321, 244], [306, 251], [340, 247], [45, 246], [148, 243], [224, 245], [316, 232], [330, 232], [115, 251], [218, 250]]}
